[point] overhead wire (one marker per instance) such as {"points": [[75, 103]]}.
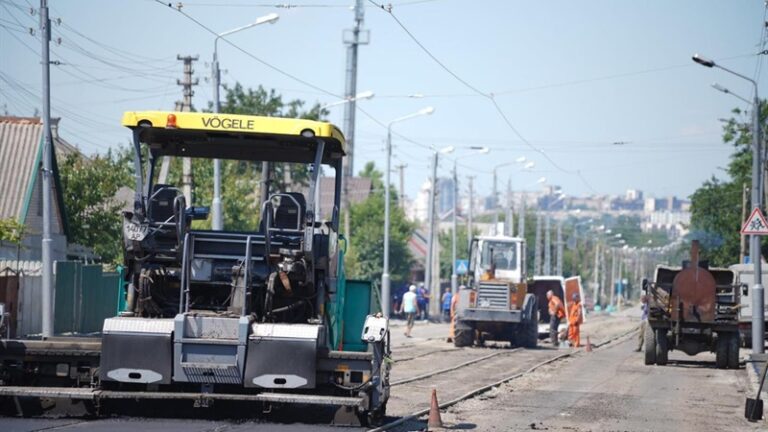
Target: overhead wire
{"points": [[285, 73], [489, 96]]}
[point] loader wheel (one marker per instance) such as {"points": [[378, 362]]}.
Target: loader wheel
{"points": [[662, 347], [721, 351], [463, 337], [649, 339], [733, 351], [529, 334]]}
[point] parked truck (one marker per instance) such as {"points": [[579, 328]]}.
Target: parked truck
{"points": [[692, 308], [498, 305], [562, 287], [261, 316], [745, 276]]}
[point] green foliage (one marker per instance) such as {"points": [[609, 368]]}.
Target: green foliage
{"points": [[11, 231], [89, 187], [632, 233], [716, 206], [366, 251]]}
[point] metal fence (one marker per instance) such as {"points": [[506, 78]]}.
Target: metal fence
{"points": [[84, 296]]}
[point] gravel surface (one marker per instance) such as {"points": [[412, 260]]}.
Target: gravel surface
{"points": [[611, 389]]}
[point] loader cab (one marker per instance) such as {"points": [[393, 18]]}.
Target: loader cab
{"points": [[498, 258]]}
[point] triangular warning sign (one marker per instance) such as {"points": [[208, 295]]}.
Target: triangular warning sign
{"points": [[755, 224], [462, 268]]}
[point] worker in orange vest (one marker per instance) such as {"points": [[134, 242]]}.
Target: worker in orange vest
{"points": [[454, 302], [556, 313], [574, 321]]}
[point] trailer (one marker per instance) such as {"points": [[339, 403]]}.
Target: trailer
{"points": [[262, 316], [692, 308]]}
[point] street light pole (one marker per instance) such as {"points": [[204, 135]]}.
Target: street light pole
{"points": [[385, 287], [217, 222], [470, 212], [758, 307], [454, 276]]}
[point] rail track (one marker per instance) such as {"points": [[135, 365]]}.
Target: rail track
{"points": [[488, 371]]}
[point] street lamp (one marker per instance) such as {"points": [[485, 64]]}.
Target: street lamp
{"points": [[360, 96], [720, 88], [385, 291], [476, 150], [217, 222], [758, 311]]}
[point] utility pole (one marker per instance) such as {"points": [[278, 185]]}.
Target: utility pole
{"points": [[537, 247], [47, 243], [559, 261], [509, 227], [521, 218], [620, 293], [401, 170], [470, 213], [428, 275], [352, 40], [597, 273], [186, 106], [613, 277], [547, 246]]}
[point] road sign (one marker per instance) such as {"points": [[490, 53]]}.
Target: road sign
{"points": [[462, 267], [755, 224]]}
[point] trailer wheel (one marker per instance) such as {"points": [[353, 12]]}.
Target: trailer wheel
{"points": [[721, 351], [375, 417], [662, 347], [649, 340], [463, 337], [733, 351]]}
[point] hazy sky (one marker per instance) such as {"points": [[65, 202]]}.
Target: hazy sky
{"points": [[571, 77]]}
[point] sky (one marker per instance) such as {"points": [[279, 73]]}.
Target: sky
{"points": [[568, 80]]}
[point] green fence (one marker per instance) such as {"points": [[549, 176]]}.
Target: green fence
{"points": [[85, 296]]}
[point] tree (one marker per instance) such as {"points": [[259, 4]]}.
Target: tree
{"points": [[366, 251], [11, 231], [716, 206], [89, 187], [241, 179]]}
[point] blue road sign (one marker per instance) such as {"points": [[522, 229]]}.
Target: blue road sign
{"points": [[462, 267]]}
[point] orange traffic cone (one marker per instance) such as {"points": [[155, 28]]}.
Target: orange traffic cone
{"points": [[588, 348], [434, 413]]}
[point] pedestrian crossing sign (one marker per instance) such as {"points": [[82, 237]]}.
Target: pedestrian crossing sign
{"points": [[755, 224], [462, 267]]}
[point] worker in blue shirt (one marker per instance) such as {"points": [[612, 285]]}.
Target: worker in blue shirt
{"points": [[446, 305]]}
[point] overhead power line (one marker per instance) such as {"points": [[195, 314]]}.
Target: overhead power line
{"points": [[489, 96]]}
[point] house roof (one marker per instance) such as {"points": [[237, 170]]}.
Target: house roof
{"points": [[20, 156]]}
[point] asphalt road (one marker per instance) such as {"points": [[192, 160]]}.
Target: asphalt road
{"points": [[608, 389], [612, 390]]}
